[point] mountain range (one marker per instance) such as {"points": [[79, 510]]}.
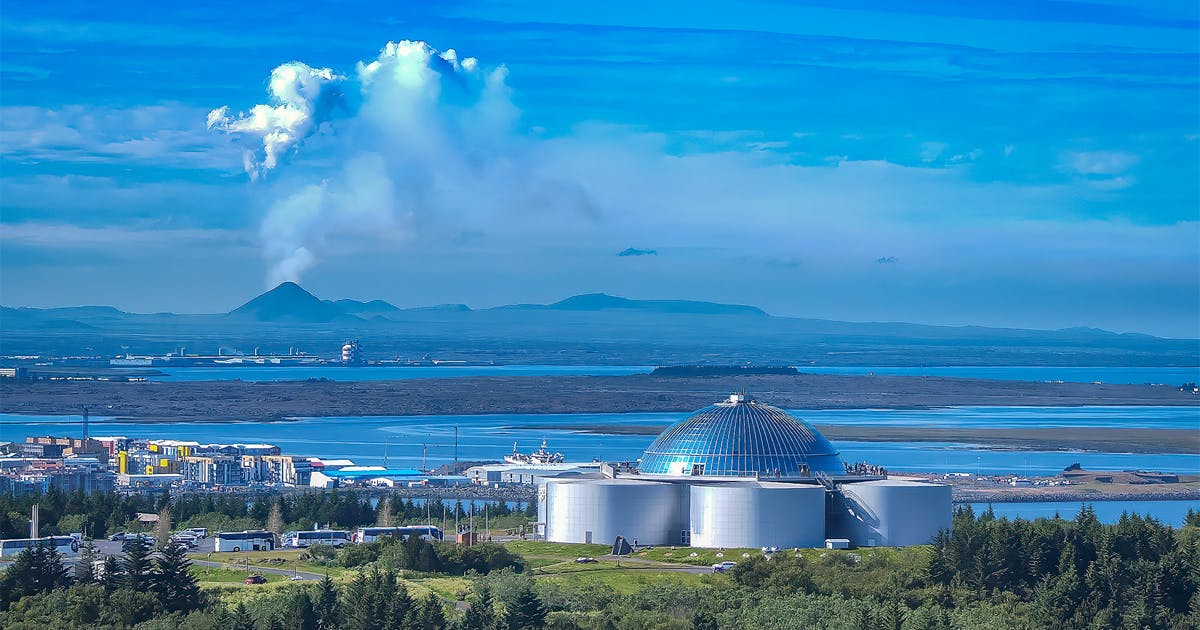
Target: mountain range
{"points": [[289, 302], [582, 329]]}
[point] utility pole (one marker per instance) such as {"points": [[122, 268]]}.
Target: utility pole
{"points": [[386, 439], [456, 444]]}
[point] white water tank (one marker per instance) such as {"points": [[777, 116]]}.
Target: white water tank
{"points": [[757, 514]]}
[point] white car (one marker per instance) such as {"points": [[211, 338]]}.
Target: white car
{"points": [[722, 567]]}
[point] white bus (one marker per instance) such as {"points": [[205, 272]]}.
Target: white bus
{"points": [[66, 545], [256, 540], [371, 534], [331, 537]]}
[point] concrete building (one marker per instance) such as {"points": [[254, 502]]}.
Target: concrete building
{"points": [[742, 474], [528, 473], [376, 476], [212, 470]]}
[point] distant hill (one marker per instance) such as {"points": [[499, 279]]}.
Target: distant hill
{"points": [[288, 302], [365, 309], [605, 302]]}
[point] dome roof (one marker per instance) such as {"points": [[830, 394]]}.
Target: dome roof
{"points": [[741, 438]]}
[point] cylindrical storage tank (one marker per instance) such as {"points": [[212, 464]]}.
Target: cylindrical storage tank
{"points": [[599, 510], [895, 512], [757, 515]]}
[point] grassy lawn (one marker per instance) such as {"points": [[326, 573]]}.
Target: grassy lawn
{"points": [[555, 551], [287, 559], [694, 555], [214, 575], [628, 580]]}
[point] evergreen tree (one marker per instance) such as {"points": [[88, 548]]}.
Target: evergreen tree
{"points": [[111, 577], [85, 568], [402, 612], [173, 581], [35, 570], [432, 615], [300, 615], [326, 605], [135, 569], [241, 618], [482, 613], [525, 611]]}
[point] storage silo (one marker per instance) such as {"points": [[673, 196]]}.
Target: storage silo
{"points": [[599, 510], [891, 512], [753, 514]]}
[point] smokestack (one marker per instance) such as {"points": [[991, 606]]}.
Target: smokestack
{"points": [[85, 423], [33, 522]]}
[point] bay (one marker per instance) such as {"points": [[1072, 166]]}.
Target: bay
{"points": [[1120, 375], [432, 440]]}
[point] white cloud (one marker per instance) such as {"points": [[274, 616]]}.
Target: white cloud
{"points": [[156, 134], [1103, 170], [1101, 162]]}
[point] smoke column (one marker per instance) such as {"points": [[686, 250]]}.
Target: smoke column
{"points": [[411, 134]]}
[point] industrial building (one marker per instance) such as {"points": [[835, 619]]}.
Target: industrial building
{"points": [[742, 473]]}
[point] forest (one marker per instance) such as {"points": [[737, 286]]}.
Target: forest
{"points": [[986, 572]]}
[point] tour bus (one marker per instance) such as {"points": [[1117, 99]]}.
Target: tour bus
{"points": [[371, 534], [331, 537], [255, 540], [66, 545]]}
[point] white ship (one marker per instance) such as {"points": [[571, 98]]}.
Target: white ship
{"points": [[540, 456]]}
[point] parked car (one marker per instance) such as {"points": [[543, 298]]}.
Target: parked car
{"points": [[128, 539], [722, 567], [585, 560], [199, 532], [256, 579], [186, 540], [118, 536]]}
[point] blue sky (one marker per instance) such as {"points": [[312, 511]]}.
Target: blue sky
{"points": [[1031, 164]]}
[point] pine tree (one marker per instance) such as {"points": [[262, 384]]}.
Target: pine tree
{"points": [[482, 613], [326, 605], [135, 569], [241, 618], [526, 610], [112, 577], [173, 581], [85, 568], [432, 615], [402, 610], [35, 570], [300, 614]]}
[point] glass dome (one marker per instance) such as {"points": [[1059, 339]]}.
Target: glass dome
{"points": [[741, 438]]}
